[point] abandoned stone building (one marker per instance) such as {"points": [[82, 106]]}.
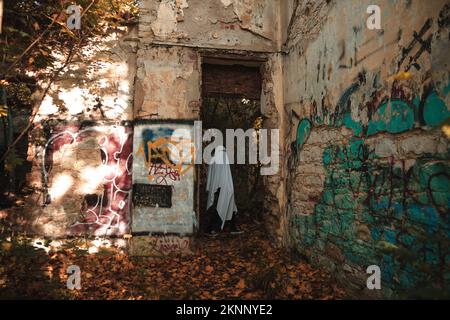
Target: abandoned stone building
{"points": [[362, 114]]}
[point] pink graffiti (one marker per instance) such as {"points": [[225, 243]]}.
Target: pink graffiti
{"points": [[109, 212]]}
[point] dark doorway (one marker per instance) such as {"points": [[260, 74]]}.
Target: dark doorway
{"points": [[231, 100]]}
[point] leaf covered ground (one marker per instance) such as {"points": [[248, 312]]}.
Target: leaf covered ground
{"points": [[244, 266]]}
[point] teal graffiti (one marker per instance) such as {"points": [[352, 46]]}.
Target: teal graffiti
{"points": [[303, 131], [394, 116], [435, 112], [406, 210], [379, 212]]}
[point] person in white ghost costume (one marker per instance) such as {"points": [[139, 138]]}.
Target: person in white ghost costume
{"points": [[220, 179]]}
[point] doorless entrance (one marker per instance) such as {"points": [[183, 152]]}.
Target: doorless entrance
{"points": [[231, 92]]}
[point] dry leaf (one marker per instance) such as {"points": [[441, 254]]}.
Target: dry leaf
{"points": [[209, 269], [241, 284]]}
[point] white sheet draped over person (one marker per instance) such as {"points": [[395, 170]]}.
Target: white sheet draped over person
{"points": [[219, 176]]}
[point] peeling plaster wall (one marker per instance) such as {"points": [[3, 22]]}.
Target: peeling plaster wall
{"points": [[369, 170], [167, 83], [81, 143], [173, 37], [237, 24]]}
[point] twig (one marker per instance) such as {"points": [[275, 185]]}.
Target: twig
{"points": [[87, 9]]}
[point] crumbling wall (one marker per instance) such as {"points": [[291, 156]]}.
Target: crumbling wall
{"points": [[167, 83], [174, 36], [272, 109], [141, 74], [240, 24], [369, 169], [81, 143]]}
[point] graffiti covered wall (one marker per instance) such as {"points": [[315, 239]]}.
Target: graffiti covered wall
{"points": [[86, 173], [163, 178], [81, 143], [369, 179]]}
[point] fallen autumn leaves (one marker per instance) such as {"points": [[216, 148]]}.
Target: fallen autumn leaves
{"points": [[243, 266]]}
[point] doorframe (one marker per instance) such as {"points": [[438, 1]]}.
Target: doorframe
{"points": [[225, 57]]}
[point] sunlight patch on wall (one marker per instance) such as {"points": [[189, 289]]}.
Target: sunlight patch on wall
{"points": [[60, 186]]}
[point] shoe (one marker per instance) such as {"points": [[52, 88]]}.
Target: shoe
{"points": [[236, 230], [212, 234]]}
